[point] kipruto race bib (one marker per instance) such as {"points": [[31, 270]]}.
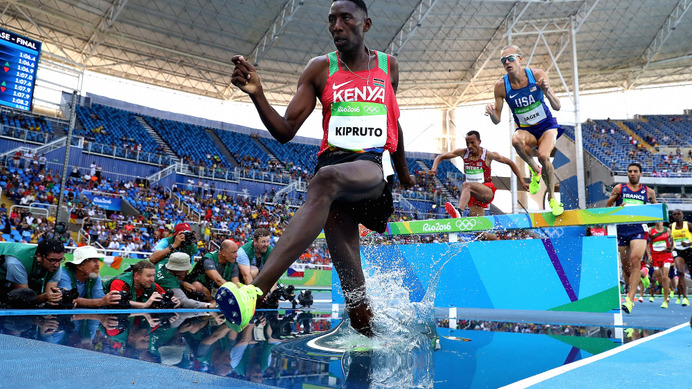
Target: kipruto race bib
{"points": [[357, 125], [531, 115]]}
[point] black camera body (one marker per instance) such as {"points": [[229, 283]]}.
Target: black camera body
{"points": [[280, 293], [166, 301], [124, 302], [189, 238], [67, 300]]}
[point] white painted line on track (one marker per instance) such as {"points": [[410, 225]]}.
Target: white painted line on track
{"points": [[562, 369]]}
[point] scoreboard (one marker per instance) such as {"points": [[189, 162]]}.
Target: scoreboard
{"points": [[18, 64]]}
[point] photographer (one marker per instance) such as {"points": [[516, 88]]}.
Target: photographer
{"points": [[139, 284], [253, 254], [29, 275], [83, 274], [216, 268], [183, 240], [170, 275]]}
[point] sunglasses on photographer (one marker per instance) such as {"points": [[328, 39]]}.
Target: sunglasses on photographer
{"points": [[510, 58]]}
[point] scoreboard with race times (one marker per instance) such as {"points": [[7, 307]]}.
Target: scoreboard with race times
{"points": [[18, 64]]}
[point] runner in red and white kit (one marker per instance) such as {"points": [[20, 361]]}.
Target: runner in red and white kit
{"points": [[356, 87], [661, 250], [478, 190]]}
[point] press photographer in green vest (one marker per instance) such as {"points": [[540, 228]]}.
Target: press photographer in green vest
{"points": [[215, 269], [170, 276], [83, 273], [183, 240], [138, 284], [253, 254], [31, 273]]}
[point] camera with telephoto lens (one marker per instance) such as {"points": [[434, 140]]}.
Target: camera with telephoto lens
{"points": [[195, 295], [166, 301], [280, 293], [189, 238]]}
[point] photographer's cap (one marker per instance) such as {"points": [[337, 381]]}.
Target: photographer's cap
{"points": [[172, 355], [179, 262], [181, 227], [83, 253]]}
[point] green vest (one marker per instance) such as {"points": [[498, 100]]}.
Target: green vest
{"points": [[198, 273], [166, 279], [128, 278], [26, 254], [249, 249], [88, 285]]}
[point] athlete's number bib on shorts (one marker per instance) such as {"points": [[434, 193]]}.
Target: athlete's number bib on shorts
{"points": [[358, 125], [531, 115]]}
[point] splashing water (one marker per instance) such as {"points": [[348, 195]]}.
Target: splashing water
{"points": [[401, 353]]}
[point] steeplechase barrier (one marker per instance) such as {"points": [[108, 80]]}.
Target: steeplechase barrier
{"points": [[563, 271]]}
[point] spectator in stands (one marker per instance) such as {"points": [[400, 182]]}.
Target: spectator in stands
{"points": [[75, 172], [82, 273], [34, 270], [172, 274], [139, 284], [42, 162], [253, 254], [16, 159], [182, 240]]}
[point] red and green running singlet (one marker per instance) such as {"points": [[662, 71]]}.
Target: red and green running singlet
{"points": [[359, 109]]}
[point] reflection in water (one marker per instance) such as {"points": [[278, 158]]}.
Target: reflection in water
{"points": [[195, 341], [293, 348]]}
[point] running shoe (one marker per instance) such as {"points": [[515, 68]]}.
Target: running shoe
{"points": [[237, 304], [685, 302], [641, 299], [665, 304], [556, 208], [535, 180], [628, 305], [651, 299], [677, 301], [646, 282], [452, 210], [672, 294]]}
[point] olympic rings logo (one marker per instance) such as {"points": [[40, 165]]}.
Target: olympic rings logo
{"points": [[554, 232], [466, 224], [372, 110]]}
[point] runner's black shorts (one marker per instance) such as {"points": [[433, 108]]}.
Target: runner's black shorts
{"points": [[687, 256], [372, 213]]}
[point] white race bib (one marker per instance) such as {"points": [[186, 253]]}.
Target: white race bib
{"points": [[357, 125], [531, 115], [659, 246], [474, 175]]}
